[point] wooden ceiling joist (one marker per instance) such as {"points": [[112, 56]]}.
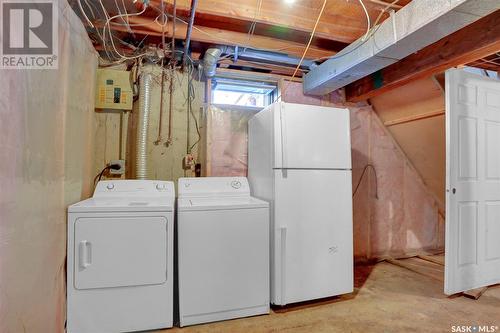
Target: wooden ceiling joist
{"points": [[219, 36], [478, 40], [491, 63], [342, 21], [278, 26]]}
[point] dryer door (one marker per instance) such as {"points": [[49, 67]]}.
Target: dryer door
{"points": [[120, 251]]}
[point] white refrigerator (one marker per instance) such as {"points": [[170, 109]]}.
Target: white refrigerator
{"points": [[299, 160]]}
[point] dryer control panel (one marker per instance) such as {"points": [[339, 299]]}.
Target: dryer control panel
{"points": [[213, 186], [134, 188]]}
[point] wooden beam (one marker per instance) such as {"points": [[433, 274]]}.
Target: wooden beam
{"points": [[228, 21], [409, 119], [491, 63], [219, 36], [475, 41], [342, 20]]}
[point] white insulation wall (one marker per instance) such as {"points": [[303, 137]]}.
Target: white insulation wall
{"points": [[46, 127]]}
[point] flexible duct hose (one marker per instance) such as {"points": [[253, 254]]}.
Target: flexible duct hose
{"points": [[141, 170]]}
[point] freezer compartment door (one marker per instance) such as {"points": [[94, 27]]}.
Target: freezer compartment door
{"points": [[313, 237], [311, 137], [120, 251]]}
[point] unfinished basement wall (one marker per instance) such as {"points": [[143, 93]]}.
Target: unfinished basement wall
{"points": [[115, 132], [395, 213], [46, 125], [414, 115]]}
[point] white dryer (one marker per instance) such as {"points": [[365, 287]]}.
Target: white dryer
{"points": [[223, 249], [120, 258]]}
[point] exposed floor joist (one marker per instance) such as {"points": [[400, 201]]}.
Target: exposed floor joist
{"points": [[478, 40], [342, 20], [279, 26], [491, 62], [225, 37]]}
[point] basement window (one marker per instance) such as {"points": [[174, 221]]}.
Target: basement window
{"points": [[227, 91]]}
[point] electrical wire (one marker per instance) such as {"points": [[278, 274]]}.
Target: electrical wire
{"points": [[125, 22], [368, 23], [305, 50], [84, 14], [251, 31], [229, 42], [90, 5], [360, 42], [361, 178], [111, 35], [108, 167], [125, 10], [190, 98]]}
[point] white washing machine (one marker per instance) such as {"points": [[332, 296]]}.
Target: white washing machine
{"points": [[223, 248], [120, 258]]}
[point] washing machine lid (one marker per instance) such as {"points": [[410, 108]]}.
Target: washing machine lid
{"points": [[129, 195], [219, 203]]}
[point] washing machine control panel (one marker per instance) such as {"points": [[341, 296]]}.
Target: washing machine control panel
{"points": [[203, 186], [236, 184]]}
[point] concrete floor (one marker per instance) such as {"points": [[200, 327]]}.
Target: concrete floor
{"points": [[387, 298]]}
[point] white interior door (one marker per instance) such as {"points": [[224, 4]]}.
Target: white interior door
{"points": [[473, 181]]}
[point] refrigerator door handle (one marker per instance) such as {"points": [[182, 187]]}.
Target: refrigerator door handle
{"points": [[283, 145], [283, 264]]}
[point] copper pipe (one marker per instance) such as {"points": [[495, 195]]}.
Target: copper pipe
{"points": [[160, 122], [170, 109]]}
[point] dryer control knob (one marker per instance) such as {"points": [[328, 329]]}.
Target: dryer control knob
{"points": [[110, 186], [236, 184], [160, 187]]}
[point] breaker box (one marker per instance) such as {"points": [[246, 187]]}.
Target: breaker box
{"points": [[113, 90]]}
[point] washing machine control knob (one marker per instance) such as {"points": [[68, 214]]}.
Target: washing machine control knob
{"points": [[110, 186], [236, 184], [160, 187]]}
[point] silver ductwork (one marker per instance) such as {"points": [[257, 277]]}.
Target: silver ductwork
{"points": [[212, 55], [210, 61], [145, 82], [415, 26]]}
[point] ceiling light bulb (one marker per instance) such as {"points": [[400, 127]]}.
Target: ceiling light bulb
{"points": [[289, 2]]}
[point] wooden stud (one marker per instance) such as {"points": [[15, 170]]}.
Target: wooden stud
{"points": [[414, 117]]}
